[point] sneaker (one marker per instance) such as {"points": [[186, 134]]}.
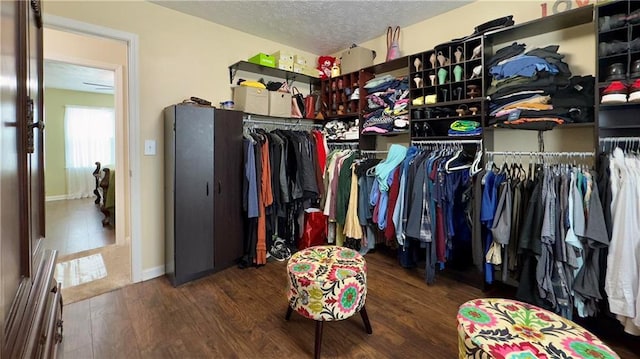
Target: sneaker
{"points": [[279, 251], [634, 91], [606, 23], [616, 92], [356, 94], [614, 47]]}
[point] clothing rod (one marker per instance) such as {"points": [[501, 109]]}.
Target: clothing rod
{"points": [[619, 139], [373, 151], [445, 142], [281, 123], [544, 154]]}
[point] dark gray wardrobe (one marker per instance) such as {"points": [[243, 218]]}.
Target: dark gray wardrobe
{"points": [[203, 191]]}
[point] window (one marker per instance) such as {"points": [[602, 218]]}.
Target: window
{"points": [[89, 137]]}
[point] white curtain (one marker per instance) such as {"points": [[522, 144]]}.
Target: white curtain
{"points": [[90, 137]]}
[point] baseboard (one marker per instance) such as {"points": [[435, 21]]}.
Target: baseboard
{"points": [[152, 273], [59, 197]]}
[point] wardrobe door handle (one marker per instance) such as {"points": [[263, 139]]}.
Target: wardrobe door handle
{"points": [[219, 187], [207, 189]]}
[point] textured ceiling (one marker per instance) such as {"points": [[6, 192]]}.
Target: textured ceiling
{"points": [[62, 75], [319, 27]]}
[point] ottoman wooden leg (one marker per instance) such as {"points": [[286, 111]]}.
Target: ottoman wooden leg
{"points": [[318, 339], [365, 319], [289, 311]]}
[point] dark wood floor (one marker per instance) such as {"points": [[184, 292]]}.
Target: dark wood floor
{"points": [[240, 314]]}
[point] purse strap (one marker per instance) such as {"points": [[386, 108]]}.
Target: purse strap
{"points": [[295, 91]]}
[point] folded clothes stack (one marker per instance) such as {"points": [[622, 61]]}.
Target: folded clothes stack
{"points": [[534, 90], [387, 103], [465, 128], [340, 130]]}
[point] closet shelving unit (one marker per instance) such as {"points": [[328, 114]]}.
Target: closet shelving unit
{"points": [[561, 21], [437, 77], [288, 76], [393, 67], [285, 75], [616, 120]]}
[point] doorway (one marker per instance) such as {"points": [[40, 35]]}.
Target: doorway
{"points": [[80, 157], [86, 214]]}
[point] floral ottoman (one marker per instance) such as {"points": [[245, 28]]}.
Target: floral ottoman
{"points": [[327, 283], [508, 329]]}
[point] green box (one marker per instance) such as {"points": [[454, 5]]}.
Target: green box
{"points": [[264, 60]]}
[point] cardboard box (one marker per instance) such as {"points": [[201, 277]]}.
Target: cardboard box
{"points": [[299, 60], [251, 100], [304, 69], [283, 56], [286, 67], [279, 104], [355, 59], [264, 60]]}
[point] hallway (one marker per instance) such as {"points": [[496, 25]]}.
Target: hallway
{"points": [[75, 225]]}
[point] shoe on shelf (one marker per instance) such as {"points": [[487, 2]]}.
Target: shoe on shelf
{"points": [[616, 92], [614, 47], [615, 72], [356, 94], [606, 23], [634, 91], [634, 45], [635, 69], [634, 17]]}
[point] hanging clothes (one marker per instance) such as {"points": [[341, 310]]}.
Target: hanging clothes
{"points": [[282, 178], [545, 231], [622, 281]]}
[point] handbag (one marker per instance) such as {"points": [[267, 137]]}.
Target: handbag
{"points": [[297, 103], [393, 45], [315, 229], [310, 106]]}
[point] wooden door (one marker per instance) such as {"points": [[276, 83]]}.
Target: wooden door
{"points": [[10, 269], [228, 169], [21, 181], [34, 126], [193, 192]]}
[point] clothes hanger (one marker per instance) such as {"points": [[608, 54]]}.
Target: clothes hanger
{"points": [[475, 165]]}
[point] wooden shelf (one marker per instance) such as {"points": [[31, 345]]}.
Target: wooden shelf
{"points": [[550, 23], [391, 133], [389, 66], [270, 71], [613, 56], [343, 141], [450, 138], [342, 117], [617, 29], [456, 117], [618, 106], [450, 103]]}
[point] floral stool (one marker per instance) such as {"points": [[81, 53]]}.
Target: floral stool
{"points": [[327, 283], [508, 329]]}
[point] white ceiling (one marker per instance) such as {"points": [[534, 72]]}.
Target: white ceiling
{"points": [[319, 27], [62, 75]]}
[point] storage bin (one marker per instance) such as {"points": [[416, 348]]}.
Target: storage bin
{"points": [[300, 60], [355, 59], [279, 104], [285, 65], [282, 56], [264, 60], [251, 100]]}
